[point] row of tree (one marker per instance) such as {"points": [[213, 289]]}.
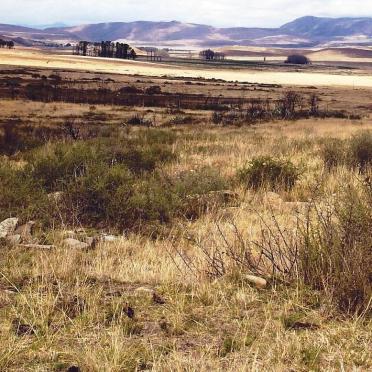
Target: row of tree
{"points": [[6, 44], [106, 49]]}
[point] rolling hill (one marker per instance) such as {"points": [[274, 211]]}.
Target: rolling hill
{"points": [[302, 32]]}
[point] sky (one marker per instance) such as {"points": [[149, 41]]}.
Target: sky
{"points": [[222, 13]]}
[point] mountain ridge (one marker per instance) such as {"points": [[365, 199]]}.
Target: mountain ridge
{"points": [[308, 30]]}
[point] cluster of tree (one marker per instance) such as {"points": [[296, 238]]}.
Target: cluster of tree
{"points": [[106, 49], [211, 55], [298, 59], [6, 44]]}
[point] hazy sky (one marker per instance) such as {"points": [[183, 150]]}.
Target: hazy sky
{"points": [[215, 12]]}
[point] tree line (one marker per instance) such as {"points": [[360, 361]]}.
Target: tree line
{"points": [[211, 55], [6, 44], [106, 49]]}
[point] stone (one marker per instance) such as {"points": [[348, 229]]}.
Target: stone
{"points": [[37, 246], [8, 226], [75, 244], [109, 238], [145, 290], [256, 281]]}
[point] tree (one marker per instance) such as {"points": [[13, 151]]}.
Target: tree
{"points": [[298, 59], [207, 54], [133, 54]]}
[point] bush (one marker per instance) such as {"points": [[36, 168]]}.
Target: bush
{"points": [[327, 251], [269, 172], [194, 190], [335, 254], [334, 153], [56, 164], [354, 153], [154, 89], [14, 138], [139, 120], [360, 150], [298, 59], [21, 196]]}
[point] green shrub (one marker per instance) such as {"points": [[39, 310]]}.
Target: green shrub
{"points": [[199, 182], [269, 172], [20, 195], [194, 190], [56, 164]]}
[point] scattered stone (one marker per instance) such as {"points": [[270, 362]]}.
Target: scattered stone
{"points": [[110, 238], [257, 281], [144, 290], [37, 246], [8, 226], [75, 244]]}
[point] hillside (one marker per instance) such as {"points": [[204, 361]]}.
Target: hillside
{"points": [[303, 32]]}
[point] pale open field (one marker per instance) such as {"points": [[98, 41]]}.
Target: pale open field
{"points": [[35, 58]]}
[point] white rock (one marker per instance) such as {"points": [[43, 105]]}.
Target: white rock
{"points": [[109, 238], [8, 226], [145, 290], [257, 281], [37, 246], [75, 244]]}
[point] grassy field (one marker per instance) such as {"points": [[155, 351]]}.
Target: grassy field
{"points": [[231, 242], [295, 77]]}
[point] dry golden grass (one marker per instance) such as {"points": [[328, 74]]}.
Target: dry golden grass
{"points": [[72, 306], [37, 59]]}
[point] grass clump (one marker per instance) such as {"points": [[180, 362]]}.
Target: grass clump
{"points": [[266, 171], [21, 196], [335, 254], [354, 153]]}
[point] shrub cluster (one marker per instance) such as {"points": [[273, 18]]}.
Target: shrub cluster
{"points": [[104, 182], [268, 172], [354, 153]]}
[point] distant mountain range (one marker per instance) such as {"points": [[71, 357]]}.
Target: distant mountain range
{"points": [[303, 32]]}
